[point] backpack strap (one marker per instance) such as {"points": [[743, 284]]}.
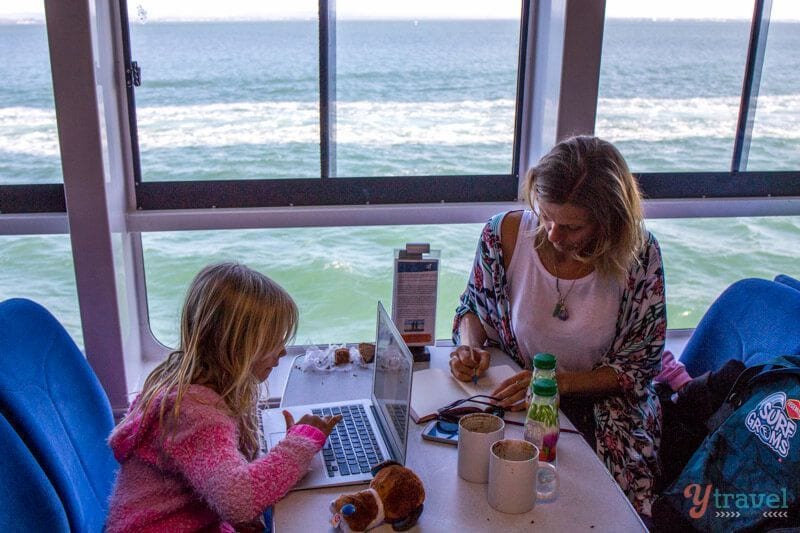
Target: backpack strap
{"points": [[786, 364]]}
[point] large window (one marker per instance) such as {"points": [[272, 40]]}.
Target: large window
{"points": [[368, 104], [261, 107], [28, 136], [225, 99], [775, 143], [670, 94], [38, 267], [670, 90]]}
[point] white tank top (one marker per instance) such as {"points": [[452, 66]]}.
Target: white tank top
{"points": [[593, 304]]}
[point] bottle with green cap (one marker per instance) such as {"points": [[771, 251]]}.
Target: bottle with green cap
{"points": [[541, 423], [544, 366]]}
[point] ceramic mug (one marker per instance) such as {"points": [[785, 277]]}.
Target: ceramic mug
{"points": [[476, 433], [517, 478]]}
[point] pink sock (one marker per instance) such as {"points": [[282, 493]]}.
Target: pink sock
{"points": [[672, 372]]}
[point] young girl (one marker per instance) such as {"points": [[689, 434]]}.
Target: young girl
{"points": [[188, 446]]}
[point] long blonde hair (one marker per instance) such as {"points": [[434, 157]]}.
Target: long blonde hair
{"points": [[231, 317], [592, 174]]}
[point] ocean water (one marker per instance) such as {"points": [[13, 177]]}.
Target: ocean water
{"points": [[240, 100]]}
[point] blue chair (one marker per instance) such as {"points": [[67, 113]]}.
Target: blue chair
{"points": [[52, 399], [753, 320], [28, 501]]}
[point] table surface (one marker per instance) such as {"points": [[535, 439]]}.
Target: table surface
{"points": [[588, 498]]}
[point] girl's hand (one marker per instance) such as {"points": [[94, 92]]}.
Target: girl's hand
{"points": [[467, 362], [324, 423], [511, 392]]}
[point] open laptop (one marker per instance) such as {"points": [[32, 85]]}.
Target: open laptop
{"points": [[385, 414]]}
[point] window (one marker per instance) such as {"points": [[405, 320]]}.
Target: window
{"points": [[28, 135], [226, 95], [669, 98], [244, 108], [424, 96], [39, 267], [334, 274], [775, 143], [670, 89], [29, 153]]}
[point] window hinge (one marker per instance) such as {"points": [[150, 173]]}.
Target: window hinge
{"points": [[133, 75]]}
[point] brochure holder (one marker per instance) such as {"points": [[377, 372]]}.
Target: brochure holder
{"points": [[414, 291]]}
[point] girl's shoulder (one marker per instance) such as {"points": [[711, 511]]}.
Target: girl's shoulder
{"points": [[197, 401], [200, 395]]}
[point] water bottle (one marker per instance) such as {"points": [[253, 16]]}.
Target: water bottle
{"points": [[541, 423], [544, 366]]}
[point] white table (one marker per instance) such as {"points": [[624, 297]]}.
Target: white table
{"points": [[588, 499]]}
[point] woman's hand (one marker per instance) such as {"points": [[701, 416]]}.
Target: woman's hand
{"points": [[467, 362], [511, 392], [324, 423]]}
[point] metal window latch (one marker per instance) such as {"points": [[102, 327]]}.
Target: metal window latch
{"points": [[133, 75]]}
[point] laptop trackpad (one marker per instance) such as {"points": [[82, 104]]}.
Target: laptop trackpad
{"points": [[275, 438]]}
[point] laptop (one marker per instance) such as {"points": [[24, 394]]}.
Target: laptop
{"points": [[377, 429]]}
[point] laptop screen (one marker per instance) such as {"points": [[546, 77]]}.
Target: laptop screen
{"points": [[391, 386]]}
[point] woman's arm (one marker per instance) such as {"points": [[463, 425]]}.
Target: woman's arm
{"points": [[484, 302], [471, 331], [470, 359], [597, 382], [635, 356]]}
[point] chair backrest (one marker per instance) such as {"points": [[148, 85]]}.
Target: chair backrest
{"points": [[754, 320], [54, 402], [28, 501]]}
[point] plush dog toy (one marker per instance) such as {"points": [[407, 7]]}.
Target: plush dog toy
{"points": [[395, 495]]}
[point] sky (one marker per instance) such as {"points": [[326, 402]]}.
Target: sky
{"points": [[413, 9]]}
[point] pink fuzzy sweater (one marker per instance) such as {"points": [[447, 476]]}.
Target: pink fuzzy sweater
{"points": [[197, 479]]}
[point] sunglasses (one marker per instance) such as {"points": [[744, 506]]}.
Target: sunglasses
{"points": [[447, 417]]}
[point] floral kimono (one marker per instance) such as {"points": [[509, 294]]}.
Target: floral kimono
{"points": [[627, 425]]}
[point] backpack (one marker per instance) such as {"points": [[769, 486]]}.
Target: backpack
{"points": [[745, 476]]}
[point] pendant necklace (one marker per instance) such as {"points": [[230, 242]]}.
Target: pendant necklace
{"points": [[560, 309]]}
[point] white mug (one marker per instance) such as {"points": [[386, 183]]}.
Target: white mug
{"points": [[476, 433], [514, 473]]}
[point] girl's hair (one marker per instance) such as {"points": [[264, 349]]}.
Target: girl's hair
{"points": [[591, 173], [232, 316]]}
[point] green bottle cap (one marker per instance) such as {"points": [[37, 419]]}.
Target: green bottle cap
{"points": [[544, 387], [545, 361]]}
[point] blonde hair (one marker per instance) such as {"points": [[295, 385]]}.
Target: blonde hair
{"points": [[590, 173], [231, 317]]}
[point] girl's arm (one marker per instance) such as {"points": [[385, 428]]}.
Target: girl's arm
{"points": [[205, 451]]}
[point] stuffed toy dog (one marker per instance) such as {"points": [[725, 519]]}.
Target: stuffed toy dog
{"points": [[395, 495]]}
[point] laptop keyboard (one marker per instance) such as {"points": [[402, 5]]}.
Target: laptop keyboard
{"points": [[351, 447]]}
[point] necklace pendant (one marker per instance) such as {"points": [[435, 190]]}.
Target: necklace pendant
{"points": [[560, 310]]}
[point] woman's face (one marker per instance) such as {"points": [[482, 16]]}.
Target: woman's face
{"points": [[570, 229], [264, 365]]}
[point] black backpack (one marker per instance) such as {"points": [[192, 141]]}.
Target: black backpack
{"points": [[745, 476]]}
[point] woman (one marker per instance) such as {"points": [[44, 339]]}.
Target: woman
{"points": [[579, 276]]}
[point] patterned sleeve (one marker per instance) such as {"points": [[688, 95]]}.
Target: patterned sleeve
{"points": [[486, 294], [477, 298], [641, 326]]}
